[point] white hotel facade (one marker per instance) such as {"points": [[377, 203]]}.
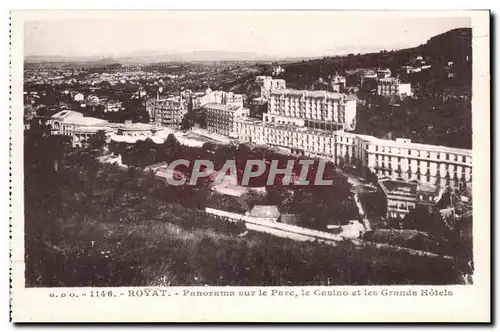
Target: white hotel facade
{"points": [[312, 109], [400, 159]]}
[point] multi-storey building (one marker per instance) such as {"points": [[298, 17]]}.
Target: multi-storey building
{"points": [[312, 109], [299, 140], [392, 86], [400, 159], [403, 196], [167, 111], [221, 118], [267, 84], [338, 83], [400, 197], [196, 99], [221, 97]]}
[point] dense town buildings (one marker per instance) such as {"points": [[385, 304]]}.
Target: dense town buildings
{"points": [[399, 160], [314, 123]]}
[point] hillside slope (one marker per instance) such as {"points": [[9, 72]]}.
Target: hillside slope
{"points": [[454, 45]]}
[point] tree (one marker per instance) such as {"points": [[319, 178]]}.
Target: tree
{"points": [[187, 121], [98, 140], [134, 110]]}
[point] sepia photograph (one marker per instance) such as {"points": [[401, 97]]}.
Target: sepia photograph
{"points": [[244, 148], [105, 117]]}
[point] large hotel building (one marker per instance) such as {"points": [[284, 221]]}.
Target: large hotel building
{"points": [[312, 109], [222, 109], [399, 159], [315, 123], [168, 111], [221, 118]]}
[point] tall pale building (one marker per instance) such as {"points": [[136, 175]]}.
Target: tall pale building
{"points": [[400, 159], [312, 109], [167, 111], [267, 84], [221, 98], [221, 118]]}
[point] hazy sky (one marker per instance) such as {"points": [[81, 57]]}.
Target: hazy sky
{"points": [[315, 33]]}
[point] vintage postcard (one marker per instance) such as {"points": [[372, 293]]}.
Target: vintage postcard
{"points": [[250, 166]]}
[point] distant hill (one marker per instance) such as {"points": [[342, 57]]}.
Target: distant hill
{"points": [[454, 45], [160, 56]]}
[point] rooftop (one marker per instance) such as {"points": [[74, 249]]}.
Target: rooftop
{"points": [[85, 121], [91, 129], [427, 187], [395, 187], [407, 145], [157, 140], [285, 127], [230, 189], [265, 211], [308, 93], [156, 166], [222, 107], [123, 138], [389, 80], [77, 118], [135, 126], [67, 114]]}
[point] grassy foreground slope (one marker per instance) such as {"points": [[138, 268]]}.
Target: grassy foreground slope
{"points": [[92, 225]]}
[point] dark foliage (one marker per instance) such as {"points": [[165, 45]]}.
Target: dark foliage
{"points": [[92, 225]]}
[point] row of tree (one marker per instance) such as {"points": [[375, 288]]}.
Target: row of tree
{"points": [[423, 120]]}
